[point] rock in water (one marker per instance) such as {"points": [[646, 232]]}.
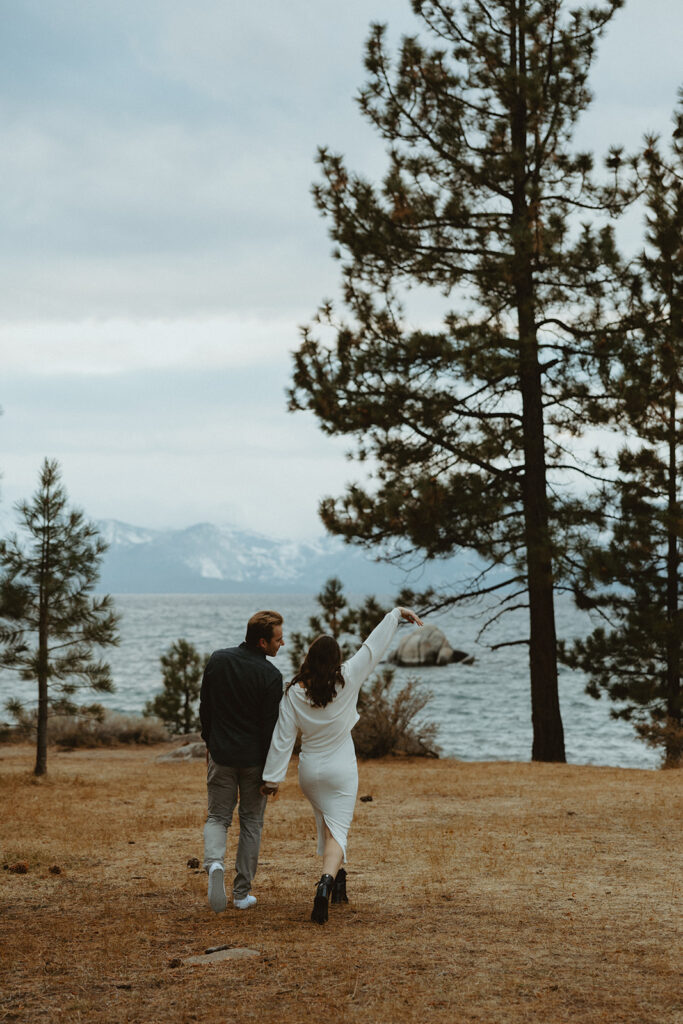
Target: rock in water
{"points": [[427, 646]]}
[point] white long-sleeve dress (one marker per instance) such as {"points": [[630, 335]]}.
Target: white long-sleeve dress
{"points": [[328, 774]]}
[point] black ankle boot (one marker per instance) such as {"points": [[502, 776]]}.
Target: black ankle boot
{"points": [[339, 888], [322, 897]]}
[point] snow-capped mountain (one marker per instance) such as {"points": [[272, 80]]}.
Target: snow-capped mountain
{"points": [[206, 558], [210, 559]]}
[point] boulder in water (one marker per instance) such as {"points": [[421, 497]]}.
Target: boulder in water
{"points": [[427, 646]]}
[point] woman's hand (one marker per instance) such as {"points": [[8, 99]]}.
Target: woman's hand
{"points": [[409, 615], [268, 788]]}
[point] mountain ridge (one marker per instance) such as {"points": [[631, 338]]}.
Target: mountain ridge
{"points": [[210, 558]]}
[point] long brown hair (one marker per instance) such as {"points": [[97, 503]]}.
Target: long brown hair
{"points": [[320, 671]]}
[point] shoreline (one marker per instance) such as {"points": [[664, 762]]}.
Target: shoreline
{"points": [[177, 740]]}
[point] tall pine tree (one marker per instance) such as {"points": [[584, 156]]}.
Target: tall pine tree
{"points": [[633, 580], [467, 421], [50, 620]]}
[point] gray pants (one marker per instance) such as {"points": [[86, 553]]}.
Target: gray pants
{"points": [[224, 785]]}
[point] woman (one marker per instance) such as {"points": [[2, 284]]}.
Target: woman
{"points": [[321, 702]]}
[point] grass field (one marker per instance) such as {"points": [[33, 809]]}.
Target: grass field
{"points": [[489, 892]]}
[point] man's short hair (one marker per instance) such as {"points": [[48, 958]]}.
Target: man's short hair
{"points": [[260, 627]]}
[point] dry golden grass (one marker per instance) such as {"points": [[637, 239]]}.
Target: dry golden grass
{"points": [[496, 893]]}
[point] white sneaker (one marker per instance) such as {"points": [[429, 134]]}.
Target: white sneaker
{"points": [[217, 899], [245, 903]]}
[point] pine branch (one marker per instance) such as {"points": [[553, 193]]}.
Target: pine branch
{"points": [[499, 615]]}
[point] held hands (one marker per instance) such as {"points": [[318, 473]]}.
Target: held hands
{"points": [[409, 615], [268, 789]]}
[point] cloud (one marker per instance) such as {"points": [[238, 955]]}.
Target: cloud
{"points": [[160, 245], [160, 219], [157, 158], [116, 346], [638, 64], [168, 448]]}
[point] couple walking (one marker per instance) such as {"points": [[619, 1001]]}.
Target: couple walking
{"points": [[250, 728]]}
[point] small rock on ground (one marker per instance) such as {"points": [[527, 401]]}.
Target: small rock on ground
{"points": [[188, 752], [237, 953]]}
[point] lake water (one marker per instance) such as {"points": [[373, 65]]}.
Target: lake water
{"points": [[483, 710]]}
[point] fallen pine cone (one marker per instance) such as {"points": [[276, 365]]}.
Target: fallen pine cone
{"points": [[20, 868], [193, 862], [366, 799], [175, 962], [55, 869]]}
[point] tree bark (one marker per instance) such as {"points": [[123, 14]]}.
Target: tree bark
{"points": [[673, 676], [548, 733], [41, 729]]}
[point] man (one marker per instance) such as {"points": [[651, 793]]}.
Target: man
{"points": [[238, 708]]}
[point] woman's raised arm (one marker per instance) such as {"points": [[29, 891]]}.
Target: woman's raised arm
{"points": [[371, 651]]}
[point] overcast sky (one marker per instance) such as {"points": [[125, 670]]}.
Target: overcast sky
{"points": [[159, 246]]}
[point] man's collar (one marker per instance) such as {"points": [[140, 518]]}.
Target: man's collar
{"points": [[253, 650]]}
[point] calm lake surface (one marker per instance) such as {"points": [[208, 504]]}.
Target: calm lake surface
{"points": [[483, 710]]}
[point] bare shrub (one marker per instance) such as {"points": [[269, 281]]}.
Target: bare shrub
{"points": [[8, 733], [113, 729], [390, 723], [667, 737]]}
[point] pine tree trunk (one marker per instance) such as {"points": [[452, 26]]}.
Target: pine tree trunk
{"points": [[187, 710], [548, 734], [41, 736], [673, 678], [41, 730]]}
